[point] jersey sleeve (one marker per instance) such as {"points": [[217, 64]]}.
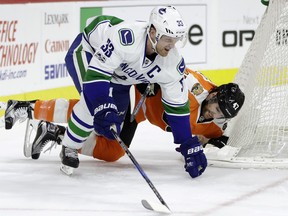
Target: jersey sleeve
{"points": [[176, 105]]}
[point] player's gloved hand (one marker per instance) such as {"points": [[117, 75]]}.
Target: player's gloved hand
{"points": [[105, 115], [219, 142], [141, 87], [195, 159]]}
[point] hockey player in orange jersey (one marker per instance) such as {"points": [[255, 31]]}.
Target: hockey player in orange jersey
{"points": [[210, 109]]}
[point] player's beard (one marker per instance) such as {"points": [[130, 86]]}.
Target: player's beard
{"points": [[205, 111]]}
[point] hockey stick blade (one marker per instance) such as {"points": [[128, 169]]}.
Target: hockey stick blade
{"points": [[140, 102], [153, 206], [2, 121], [66, 170], [30, 133]]}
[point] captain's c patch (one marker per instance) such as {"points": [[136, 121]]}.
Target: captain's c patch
{"points": [[126, 36]]}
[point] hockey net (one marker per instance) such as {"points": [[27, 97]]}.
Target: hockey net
{"points": [[259, 134]]}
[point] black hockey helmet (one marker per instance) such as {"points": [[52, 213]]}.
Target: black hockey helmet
{"points": [[230, 99]]}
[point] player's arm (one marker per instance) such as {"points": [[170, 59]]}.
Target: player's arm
{"points": [[219, 142], [190, 147], [176, 106], [97, 94]]}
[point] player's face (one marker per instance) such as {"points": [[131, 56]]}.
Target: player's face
{"points": [[212, 110], [165, 44]]}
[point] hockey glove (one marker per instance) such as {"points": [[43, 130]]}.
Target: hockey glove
{"points": [[219, 142], [195, 159], [141, 87], [106, 114]]}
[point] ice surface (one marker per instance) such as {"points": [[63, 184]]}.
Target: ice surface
{"points": [[37, 188]]}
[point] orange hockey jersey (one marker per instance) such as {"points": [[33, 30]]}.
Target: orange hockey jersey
{"points": [[199, 87]]}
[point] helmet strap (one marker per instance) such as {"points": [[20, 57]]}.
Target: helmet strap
{"points": [[151, 41]]}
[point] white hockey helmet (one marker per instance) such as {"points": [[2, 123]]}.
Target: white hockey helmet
{"points": [[167, 21]]}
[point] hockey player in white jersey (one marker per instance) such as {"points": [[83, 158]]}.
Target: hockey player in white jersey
{"points": [[112, 54]]}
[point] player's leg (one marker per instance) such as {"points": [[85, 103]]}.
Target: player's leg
{"points": [[55, 110], [109, 150], [80, 123], [46, 132], [102, 148], [17, 111], [95, 146]]}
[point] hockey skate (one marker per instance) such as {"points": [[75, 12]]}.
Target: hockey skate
{"points": [[69, 159], [17, 110], [43, 133], [46, 132]]}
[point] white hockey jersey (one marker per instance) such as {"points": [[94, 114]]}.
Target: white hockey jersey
{"points": [[118, 50], [119, 56]]}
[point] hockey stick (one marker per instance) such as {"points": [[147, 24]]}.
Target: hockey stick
{"points": [[140, 102], [148, 205]]}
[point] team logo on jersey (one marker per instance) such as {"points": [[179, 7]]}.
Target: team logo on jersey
{"points": [[126, 37], [197, 89], [181, 66], [162, 11]]}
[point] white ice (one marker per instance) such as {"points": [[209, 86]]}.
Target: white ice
{"points": [[37, 188]]}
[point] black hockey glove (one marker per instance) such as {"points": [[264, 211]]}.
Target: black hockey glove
{"points": [[153, 91], [219, 142]]}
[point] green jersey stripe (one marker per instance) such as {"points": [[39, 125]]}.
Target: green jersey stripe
{"points": [[92, 75], [91, 27], [181, 110], [76, 130]]}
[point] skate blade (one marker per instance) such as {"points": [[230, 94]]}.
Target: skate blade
{"points": [[67, 170], [3, 105], [2, 121], [31, 131]]}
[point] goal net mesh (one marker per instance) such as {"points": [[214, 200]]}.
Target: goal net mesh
{"points": [[259, 134]]}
